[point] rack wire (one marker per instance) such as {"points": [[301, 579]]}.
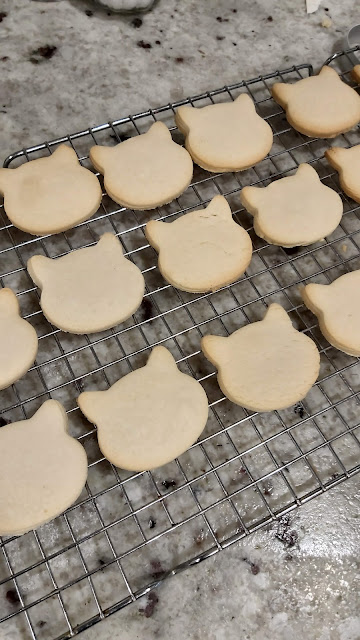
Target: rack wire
{"points": [[129, 531]]}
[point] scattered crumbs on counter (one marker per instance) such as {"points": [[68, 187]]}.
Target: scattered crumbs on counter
{"points": [[3, 15], [199, 539], [12, 596], [270, 19], [254, 568], [234, 10], [283, 533], [4, 58], [235, 44], [42, 53], [267, 487], [152, 523], [220, 19], [41, 623], [144, 45], [220, 37], [89, 13], [299, 409], [326, 22], [179, 60], [168, 484], [288, 557], [157, 41], [152, 600], [136, 23], [157, 570]]}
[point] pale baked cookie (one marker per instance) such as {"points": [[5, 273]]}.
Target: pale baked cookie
{"points": [[228, 136], [18, 340], [145, 171], [337, 307], [356, 73], [321, 106], [51, 194], [90, 289], [347, 163], [42, 470], [148, 417], [203, 250], [265, 365], [294, 211]]}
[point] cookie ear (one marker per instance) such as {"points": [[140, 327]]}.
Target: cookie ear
{"points": [[307, 171], [219, 206], [252, 198], [282, 92], [90, 403], [160, 131], [161, 358], [315, 296], [186, 117], [6, 176], [276, 313], [99, 156], [53, 414], [65, 154], [244, 101], [329, 72], [157, 232], [336, 156], [214, 348], [8, 302], [37, 267], [109, 242]]}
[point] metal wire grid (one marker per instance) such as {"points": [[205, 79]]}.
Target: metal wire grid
{"points": [[127, 532]]}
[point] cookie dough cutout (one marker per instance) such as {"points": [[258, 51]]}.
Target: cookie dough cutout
{"points": [[42, 470], [18, 340], [265, 365], [356, 73], [337, 307], [90, 289], [321, 106], [146, 171], [150, 416], [347, 163], [203, 250], [51, 194], [294, 211], [228, 136]]}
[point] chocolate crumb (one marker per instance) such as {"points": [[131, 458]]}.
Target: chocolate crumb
{"points": [[179, 59], [3, 15], [152, 523], [220, 19], [234, 10], [150, 606], [157, 41], [12, 596], [299, 409], [234, 43], [284, 533], [144, 45], [4, 58], [157, 570], [42, 623], [288, 557], [102, 562], [168, 484], [136, 23], [254, 568], [89, 13], [42, 53], [3, 421], [269, 18], [220, 37]]}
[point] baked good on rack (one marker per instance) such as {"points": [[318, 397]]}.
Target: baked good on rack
{"points": [[321, 106], [148, 417], [228, 136], [145, 171], [356, 73], [18, 340], [51, 194], [337, 307], [347, 163], [203, 250], [90, 289], [42, 470], [265, 365], [294, 211]]}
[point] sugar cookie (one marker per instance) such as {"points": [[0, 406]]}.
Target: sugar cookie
{"points": [[265, 365], [294, 211], [228, 136], [146, 171], [90, 289], [42, 470], [347, 163], [18, 340], [51, 194], [356, 73], [321, 106], [337, 307], [203, 250], [148, 417]]}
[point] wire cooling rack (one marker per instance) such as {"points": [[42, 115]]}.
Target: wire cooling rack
{"points": [[128, 531]]}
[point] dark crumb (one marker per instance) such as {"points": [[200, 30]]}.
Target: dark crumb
{"points": [[152, 523], [157, 41], [146, 310], [334, 475], [168, 484], [151, 604], [42, 53], [234, 43], [326, 8], [269, 18], [12, 596], [4, 58], [234, 10], [157, 570], [3, 421], [3, 15], [288, 557], [254, 568], [299, 409], [42, 623], [144, 45], [220, 37], [220, 19], [102, 562], [199, 539], [179, 59], [284, 533], [89, 13], [137, 22], [160, 30], [219, 445], [233, 617]]}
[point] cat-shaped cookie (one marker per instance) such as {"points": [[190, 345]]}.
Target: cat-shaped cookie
{"points": [[203, 250], [51, 194], [18, 340], [347, 163], [321, 106], [145, 171], [337, 307], [228, 136], [148, 417], [90, 289], [42, 470], [356, 73], [294, 211], [265, 365]]}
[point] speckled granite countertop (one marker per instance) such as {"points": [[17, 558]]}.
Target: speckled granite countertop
{"points": [[66, 65]]}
